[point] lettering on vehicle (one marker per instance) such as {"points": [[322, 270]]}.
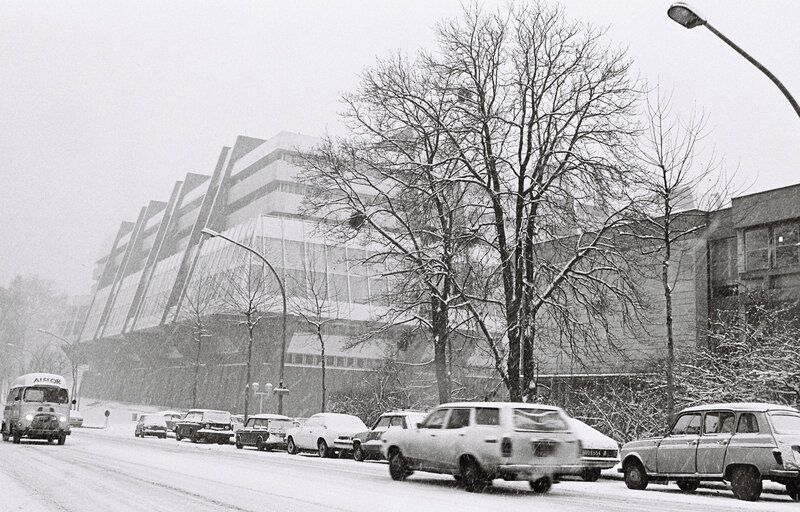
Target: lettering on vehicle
{"points": [[46, 379]]}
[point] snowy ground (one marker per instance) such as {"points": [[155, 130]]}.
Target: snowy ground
{"points": [[109, 469]]}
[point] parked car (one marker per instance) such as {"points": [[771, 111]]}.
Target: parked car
{"points": [[151, 425], [264, 431], [598, 451], [477, 442], [321, 431], [740, 443], [205, 425], [237, 422], [367, 444], [172, 418], [75, 419]]}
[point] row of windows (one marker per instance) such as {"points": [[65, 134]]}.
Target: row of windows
{"points": [[715, 423], [331, 361]]}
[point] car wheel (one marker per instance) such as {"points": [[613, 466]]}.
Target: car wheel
{"points": [[62, 439], [194, 437], [398, 466], [260, 444], [322, 449], [541, 485], [635, 476], [291, 448], [472, 476], [591, 474], [746, 483], [358, 453], [688, 485], [239, 444], [16, 436], [793, 490], [178, 436]]}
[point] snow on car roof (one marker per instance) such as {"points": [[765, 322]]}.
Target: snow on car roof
{"points": [[269, 416], [742, 406], [501, 404]]}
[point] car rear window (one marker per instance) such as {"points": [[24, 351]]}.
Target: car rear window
{"points": [[542, 420], [217, 417], [785, 423]]}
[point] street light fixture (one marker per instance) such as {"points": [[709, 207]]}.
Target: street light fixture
{"points": [[684, 15], [281, 389]]}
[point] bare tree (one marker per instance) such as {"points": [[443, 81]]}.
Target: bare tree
{"points": [[681, 187], [200, 302], [248, 290], [318, 307]]}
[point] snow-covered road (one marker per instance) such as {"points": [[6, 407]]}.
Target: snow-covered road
{"points": [[111, 470]]}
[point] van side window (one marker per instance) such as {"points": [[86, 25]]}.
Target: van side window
{"points": [[747, 424], [688, 424]]}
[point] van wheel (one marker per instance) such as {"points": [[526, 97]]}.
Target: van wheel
{"points": [[635, 476], [62, 439], [793, 490], [541, 485], [746, 483], [6, 436], [688, 485], [16, 436], [472, 477]]}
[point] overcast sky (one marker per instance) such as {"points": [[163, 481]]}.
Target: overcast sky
{"points": [[104, 105]]}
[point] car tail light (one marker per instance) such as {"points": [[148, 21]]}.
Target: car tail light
{"points": [[581, 452], [778, 457], [505, 447]]}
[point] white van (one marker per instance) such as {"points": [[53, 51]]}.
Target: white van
{"points": [[37, 407]]}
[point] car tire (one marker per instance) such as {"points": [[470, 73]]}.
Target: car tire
{"points": [[62, 439], [291, 448], [260, 444], [793, 490], [239, 444], [590, 474], [178, 436], [473, 477], [541, 485], [16, 436], [398, 466], [687, 484], [322, 449], [746, 483], [358, 453], [194, 437], [635, 475]]}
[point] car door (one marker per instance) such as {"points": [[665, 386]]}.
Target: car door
{"points": [[246, 432], [677, 453], [452, 439], [712, 445], [310, 432], [421, 447]]}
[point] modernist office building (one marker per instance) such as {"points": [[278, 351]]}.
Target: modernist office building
{"points": [[141, 347]]}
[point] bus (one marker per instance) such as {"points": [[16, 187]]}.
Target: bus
{"points": [[37, 407]]}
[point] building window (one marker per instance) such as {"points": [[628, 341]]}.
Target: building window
{"points": [[787, 252], [723, 260], [756, 244]]}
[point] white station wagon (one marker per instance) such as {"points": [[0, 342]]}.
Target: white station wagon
{"points": [[479, 441], [741, 443]]}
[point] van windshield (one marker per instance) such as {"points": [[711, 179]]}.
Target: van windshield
{"points": [[45, 394], [785, 423]]}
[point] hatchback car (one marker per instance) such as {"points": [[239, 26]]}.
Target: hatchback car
{"points": [[75, 419], [598, 451], [740, 443], [264, 431], [477, 442], [205, 425], [321, 431], [151, 425], [367, 445]]}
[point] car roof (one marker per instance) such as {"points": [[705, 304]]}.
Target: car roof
{"points": [[741, 406], [402, 413], [501, 404], [207, 410], [266, 416], [332, 414]]}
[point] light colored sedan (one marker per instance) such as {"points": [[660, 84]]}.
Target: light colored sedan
{"points": [[322, 431], [598, 451]]}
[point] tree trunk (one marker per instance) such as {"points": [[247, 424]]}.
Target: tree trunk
{"points": [[247, 389], [199, 341], [322, 353], [440, 327], [670, 342]]}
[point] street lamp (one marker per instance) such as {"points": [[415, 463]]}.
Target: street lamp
{"points": [[70, 351], [684, 15], [281, 390]]}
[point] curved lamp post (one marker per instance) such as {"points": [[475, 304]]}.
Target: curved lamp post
{"points": [[71, 351], [682, 14], [281, 389]]}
